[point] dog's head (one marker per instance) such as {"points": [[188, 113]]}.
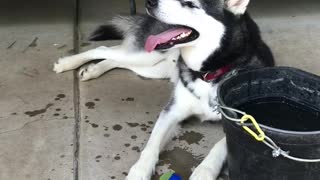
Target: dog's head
{"points": [[194, 19]]}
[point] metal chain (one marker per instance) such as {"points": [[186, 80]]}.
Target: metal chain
{"points": [[276, 150]]}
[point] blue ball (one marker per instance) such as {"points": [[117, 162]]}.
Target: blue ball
{"points": [[175, 177]]}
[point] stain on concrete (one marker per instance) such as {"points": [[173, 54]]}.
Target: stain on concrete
{"points": [[127, 145], [58, 109], [14, 113], [150, 122], [136, 148], [87, 121], [128, 99], [60, 96], [117, 127], [112, 177], [62, 46], [180, 160], [125, 173], [144, 127], [117, 157], [147, 112], [62, 156], [156, 176], [30, 72], [94, 125], [65, 117], [134, 137], [106, 135], [12, 44], [39, 111], [191, 137], [71, 51], [56, 114], [133, 124], [90, 105], [84, 44], [97, 158], [97, 99], [106, 128]]}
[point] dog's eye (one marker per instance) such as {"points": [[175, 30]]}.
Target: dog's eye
{"points": [[189, 4]]}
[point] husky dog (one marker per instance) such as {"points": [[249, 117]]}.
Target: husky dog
{"points": [[195, 43]]}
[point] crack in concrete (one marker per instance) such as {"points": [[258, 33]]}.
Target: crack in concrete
{"points": [[32, 44], [29, 123], [76, 91]]}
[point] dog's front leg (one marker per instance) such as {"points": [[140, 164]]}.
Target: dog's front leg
{"points": [[119, 54], [165, 68], [163, 130], [72, 62], [179, 108], [211, 166]]}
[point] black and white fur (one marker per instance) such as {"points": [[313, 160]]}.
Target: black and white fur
{"points": [[227, 35]]}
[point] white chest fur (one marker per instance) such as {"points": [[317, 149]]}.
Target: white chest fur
{"points": [[200, 101]]}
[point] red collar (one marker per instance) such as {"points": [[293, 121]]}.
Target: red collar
{"points": [[211, 76]]}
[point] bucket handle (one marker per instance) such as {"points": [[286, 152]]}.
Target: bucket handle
{"points": [[276, 150]]}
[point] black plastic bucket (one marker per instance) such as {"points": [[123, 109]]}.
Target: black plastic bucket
{"points": [[286, 102]]}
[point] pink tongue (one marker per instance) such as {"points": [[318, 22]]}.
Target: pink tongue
{"points": [[154, 40]]}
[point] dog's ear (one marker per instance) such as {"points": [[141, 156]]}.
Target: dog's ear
{"points": [[237, 7]]}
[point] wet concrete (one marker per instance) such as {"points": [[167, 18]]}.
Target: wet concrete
{"points": [[118, 110], [180, 160], [283, 25], [35, 132], [191, 137]]}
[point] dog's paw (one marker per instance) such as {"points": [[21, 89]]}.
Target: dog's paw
{"points": [[88, 72], [202, 173], [62, 65], [139, 172], [93, 70], [58, 67], [143, 168]]}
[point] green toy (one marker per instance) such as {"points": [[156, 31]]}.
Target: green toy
{"points": [[170, 176]]}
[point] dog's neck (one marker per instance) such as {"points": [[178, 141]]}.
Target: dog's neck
{"points": [[208, 42]]}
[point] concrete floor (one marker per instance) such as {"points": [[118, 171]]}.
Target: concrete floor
{"points": [[40, 112]]}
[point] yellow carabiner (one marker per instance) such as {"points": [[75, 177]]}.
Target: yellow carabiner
{"points": [[261, 135]]}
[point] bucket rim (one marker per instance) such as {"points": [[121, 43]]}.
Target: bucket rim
{"points": [[268, 128]]}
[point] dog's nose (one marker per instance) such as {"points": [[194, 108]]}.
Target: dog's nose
{"points": [[151, 3]]}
